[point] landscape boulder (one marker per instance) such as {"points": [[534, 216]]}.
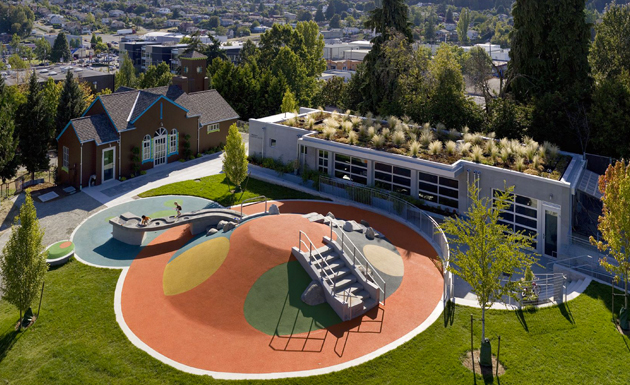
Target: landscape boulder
{"points": [[314, 294], [212, 231], [274, 210], [369, 233]]}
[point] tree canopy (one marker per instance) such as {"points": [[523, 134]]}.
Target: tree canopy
{"points": [[61, 49], [71, 103], [235, 159]]}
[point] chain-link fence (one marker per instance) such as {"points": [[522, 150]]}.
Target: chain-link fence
{"points": [[10, 188]]}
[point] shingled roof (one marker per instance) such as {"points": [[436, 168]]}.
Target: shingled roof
{"points": [[96, 127], [125, 105], [193, 55]]}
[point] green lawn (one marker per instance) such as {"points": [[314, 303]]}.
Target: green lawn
{"points": [[216, 188], [77, 340]]}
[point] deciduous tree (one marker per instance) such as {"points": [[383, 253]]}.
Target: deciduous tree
{"points": [[126, 75], [614, 225], [235, 157], [288, 102], [484, 252], [462, 26], [23, 262]]}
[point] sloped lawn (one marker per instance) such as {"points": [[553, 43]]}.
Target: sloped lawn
{"points": [[77, 340]]}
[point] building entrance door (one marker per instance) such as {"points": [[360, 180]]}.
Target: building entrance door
{"points": [[159, 145], [109, 164], [551, 230]]}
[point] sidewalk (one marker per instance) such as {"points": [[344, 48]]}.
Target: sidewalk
{"points": [[116, 192]]}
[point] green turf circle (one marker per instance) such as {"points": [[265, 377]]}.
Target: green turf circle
{"points": [[55, 251], [273, 304]]}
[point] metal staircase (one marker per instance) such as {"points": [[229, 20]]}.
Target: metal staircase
{"points": [[347, 291]]}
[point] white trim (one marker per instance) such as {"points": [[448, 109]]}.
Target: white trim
{"points": [[217, 121], [133, 107], [545, 206], [103, 165]]}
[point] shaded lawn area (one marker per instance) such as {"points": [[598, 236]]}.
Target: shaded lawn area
{"points": [[77, 340], [218, 189]]}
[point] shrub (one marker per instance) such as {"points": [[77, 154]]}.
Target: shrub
{"points": [[378, 141], [199, 155], [346, 127], [464, 149], [143, 172], [426, 137], [353, 137], [519, 163], [398, 138], [371, 132], [536, 161], [450, 147], [414, 148], [551, 151], [329, 132], [476, 153], [385, 132], [505, 154], [435, 148], [122, 179]]}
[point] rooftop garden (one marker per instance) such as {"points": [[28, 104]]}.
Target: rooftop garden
{"points": [[438, 144]]}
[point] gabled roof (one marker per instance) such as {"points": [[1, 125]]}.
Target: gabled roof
{"points": [[96, 127], [125, 106], [210, 105], [193, 55]]}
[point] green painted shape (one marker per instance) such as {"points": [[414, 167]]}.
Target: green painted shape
{"points": [[162, 214], [171, 203], [55, 251], [273, 304], [108, 218]]}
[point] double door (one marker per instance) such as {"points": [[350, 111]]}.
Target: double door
{"points": [[159, 145]]}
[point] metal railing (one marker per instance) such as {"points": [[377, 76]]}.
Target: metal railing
{"points": [[583, 240], [363, 262], [259, 198], [589, 265], [544, 288], [324, 271], [384, 200]]}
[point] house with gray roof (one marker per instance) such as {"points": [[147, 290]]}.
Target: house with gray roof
{"points": [[121, 134]]}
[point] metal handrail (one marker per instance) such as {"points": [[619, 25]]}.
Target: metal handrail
{"points": [[257, 199], [424, 223], [310, 246], [365, 263]]}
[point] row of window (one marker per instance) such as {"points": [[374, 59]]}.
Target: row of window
{"points": [[147, 143], [521, 215], [432, 188]]}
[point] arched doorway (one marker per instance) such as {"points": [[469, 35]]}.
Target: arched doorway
{"points": [[159, 145]]}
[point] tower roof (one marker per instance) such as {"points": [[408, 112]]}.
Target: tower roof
{"points": [[194, 55]]}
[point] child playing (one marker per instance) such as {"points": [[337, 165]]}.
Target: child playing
{"points": [[178, 209], [145, 220]]}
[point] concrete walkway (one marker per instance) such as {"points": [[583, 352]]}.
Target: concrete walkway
{"points": [[116, 192]]}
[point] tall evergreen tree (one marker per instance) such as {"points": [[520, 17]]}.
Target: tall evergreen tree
{"points": [[126, 75], [71, 103], [610, 53], [549, 67], [8, 138], [462, 25], [319, 15], [61, 49], [34, 129], [23, 261]]}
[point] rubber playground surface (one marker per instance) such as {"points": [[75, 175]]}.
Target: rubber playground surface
{"points": [[231, 303]]}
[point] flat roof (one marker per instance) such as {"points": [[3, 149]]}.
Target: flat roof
{"points": [[78, 72]]}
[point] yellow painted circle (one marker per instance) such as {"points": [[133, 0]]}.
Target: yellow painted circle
{"points": [[385, 260], [194, 266]]}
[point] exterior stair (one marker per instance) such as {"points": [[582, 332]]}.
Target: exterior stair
{"points": [[346, 290]]}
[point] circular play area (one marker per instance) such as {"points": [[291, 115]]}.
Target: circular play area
{"points": [[242, 302]]}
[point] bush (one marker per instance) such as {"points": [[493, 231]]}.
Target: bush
{"points": [[199, 155], [143, 172], [122, 179]]}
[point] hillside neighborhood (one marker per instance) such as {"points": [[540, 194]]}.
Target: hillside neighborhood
{"points": [[334, 191]]}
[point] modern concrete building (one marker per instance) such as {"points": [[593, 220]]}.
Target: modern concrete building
{"points": [[97, 79], [542, 207]]}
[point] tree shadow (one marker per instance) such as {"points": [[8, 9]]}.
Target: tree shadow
{"points": [[521, 319], [8, 339], [449, 313], [565, 310]]}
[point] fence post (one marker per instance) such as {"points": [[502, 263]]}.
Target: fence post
{"points": [[498, 355], [472, 351]]}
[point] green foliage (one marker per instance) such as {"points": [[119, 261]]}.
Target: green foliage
{"points": [[155, 76], [23, 261], [16, 19], [8, 137], [390, 18], [71, 103], [17, 63], [288, 102], [61, 49], [187, 151], [335, 21], [484, 252], [508, 119], [610, 52], [42, 49], [126, 75], [610, 116], [462, 26], [614, 223], [235, 158], [35, 125], [331, 93]]}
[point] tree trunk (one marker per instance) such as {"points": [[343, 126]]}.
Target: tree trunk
{"points": [[483, 323], [625, 297], [20, 321]]}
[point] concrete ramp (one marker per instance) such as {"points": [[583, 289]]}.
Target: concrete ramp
{"points": [[127, 227]]}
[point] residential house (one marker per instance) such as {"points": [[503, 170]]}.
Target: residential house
{"points": [[99, 146], [116, 13]]}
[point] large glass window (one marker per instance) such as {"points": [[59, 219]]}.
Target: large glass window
{"points": [[521, 215], [351, 168], [66, 158], [146, 148], [322, 161], [172, 145], [438, 189], [392, 178]]}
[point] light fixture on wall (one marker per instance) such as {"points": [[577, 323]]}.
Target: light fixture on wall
{"points": [[550, 196]]}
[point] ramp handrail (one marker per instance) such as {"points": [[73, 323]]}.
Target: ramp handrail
{"points": [[257, 199], [370, 270]]}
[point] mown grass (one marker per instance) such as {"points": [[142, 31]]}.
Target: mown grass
{"points": [[77, 340], [218, 189]]}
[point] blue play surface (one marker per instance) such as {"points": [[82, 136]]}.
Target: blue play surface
{"points": [[93, 239]]}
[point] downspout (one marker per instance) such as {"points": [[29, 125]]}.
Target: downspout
{"points": [[119, 155], [198, 129], [81, 170]]}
